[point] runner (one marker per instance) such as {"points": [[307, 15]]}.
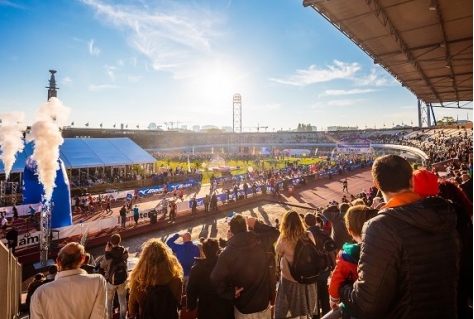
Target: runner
{"points": [[344, 186]]}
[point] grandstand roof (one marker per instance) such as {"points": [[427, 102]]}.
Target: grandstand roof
{"points": [[91, 152], [425, 44]]}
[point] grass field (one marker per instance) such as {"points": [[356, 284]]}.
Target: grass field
{"points": [[240, 166]]}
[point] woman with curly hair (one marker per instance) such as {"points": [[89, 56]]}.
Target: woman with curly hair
{"points": [[157, 268], [293, 300]]}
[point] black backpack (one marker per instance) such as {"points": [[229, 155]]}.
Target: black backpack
{"points": [[118, 271], [160, 304], [327, 248], [306, 263]]}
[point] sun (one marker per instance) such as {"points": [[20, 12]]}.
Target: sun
{"points": [[216, 82]]}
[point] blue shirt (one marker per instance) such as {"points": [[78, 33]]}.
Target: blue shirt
{"points": [[185, 252]]}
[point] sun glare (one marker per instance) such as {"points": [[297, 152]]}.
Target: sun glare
{"points": [[216, 83]]}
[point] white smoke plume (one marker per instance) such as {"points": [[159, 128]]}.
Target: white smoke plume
{"points": [[11, 138], [47, 136]]}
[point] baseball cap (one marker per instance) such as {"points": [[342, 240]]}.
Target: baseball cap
{"points": [[425, 183]]}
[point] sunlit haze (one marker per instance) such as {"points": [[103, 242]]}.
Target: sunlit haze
{"points": [[181, 62]]}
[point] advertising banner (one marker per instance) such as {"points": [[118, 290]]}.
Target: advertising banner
{"points": [[355, 144]]}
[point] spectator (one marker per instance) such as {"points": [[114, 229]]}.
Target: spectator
{"points": [[246, 189], [114, 253], [53, 300], [214, 202], [194, 205], [211, 305], [32, 211], [348, 257], [12, 239], [463, 207], [186, 253], [52, 271], [14, 211], [37, 281], [136, 214], [322, 284], [293, 299], [173, 208], [3, 222], [207, 201], [336, 216], [156, 266], [242, 271], [466, 185], [397, 245], [123, 216], [86, 265]]}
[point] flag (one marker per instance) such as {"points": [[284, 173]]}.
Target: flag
{"points": [[101, 124], [87, 124], [72, 123], [189, 165], [114, 124], [138, 125]]}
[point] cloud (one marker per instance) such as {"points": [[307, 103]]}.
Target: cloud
{"points": [[313, 74], [6, 3], [66, 80], [101, 87], [342, 102], [374, 78], [345, 92], [95, 51], [173, 38], [134, 79], [110, 70]]}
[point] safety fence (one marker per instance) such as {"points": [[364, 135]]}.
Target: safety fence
{"points": [[10, 284]]}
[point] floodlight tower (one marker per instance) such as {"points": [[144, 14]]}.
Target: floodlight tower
{"points": [[237, 108], [52, 89], [425, 114], [237, 120]]}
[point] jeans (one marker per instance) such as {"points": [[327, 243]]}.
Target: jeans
{"points": [[122, 297], [265, 314]]}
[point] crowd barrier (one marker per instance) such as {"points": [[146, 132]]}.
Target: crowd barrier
{"points": [[10, 284]]}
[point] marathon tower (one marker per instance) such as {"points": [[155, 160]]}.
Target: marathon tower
{"points": [[52, 89]]}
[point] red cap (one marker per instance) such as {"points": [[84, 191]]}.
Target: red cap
{"points": [[425, 183]]}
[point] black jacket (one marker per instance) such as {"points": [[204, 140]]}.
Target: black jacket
{"points": [[211, 305], [339, 232], [244, 263], [409, 263]]}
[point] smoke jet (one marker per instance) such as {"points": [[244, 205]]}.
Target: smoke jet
{"points": [[11, 138], [46, 134]]}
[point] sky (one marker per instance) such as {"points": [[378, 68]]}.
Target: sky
{"points": [[176, 63]]}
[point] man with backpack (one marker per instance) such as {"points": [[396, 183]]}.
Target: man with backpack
{"points": [[328, 251], [116, 273]]}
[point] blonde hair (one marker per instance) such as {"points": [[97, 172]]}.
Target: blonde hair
{"points": [[292, 227], [154, 257]]}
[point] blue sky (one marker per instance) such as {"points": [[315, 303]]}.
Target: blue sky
{"points": [[137, 62]]}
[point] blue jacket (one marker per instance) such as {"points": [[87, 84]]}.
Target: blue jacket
{"points": [[185, 252]]}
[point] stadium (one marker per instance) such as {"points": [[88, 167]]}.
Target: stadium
{"points": [[102, 170]]}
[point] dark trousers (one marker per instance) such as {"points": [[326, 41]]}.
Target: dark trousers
{"points": [[323, 293]]}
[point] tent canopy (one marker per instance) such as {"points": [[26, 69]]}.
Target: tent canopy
{"points": [[91, 152]]}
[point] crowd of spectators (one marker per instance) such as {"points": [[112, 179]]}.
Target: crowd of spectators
{"points": [[239, 278]]}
